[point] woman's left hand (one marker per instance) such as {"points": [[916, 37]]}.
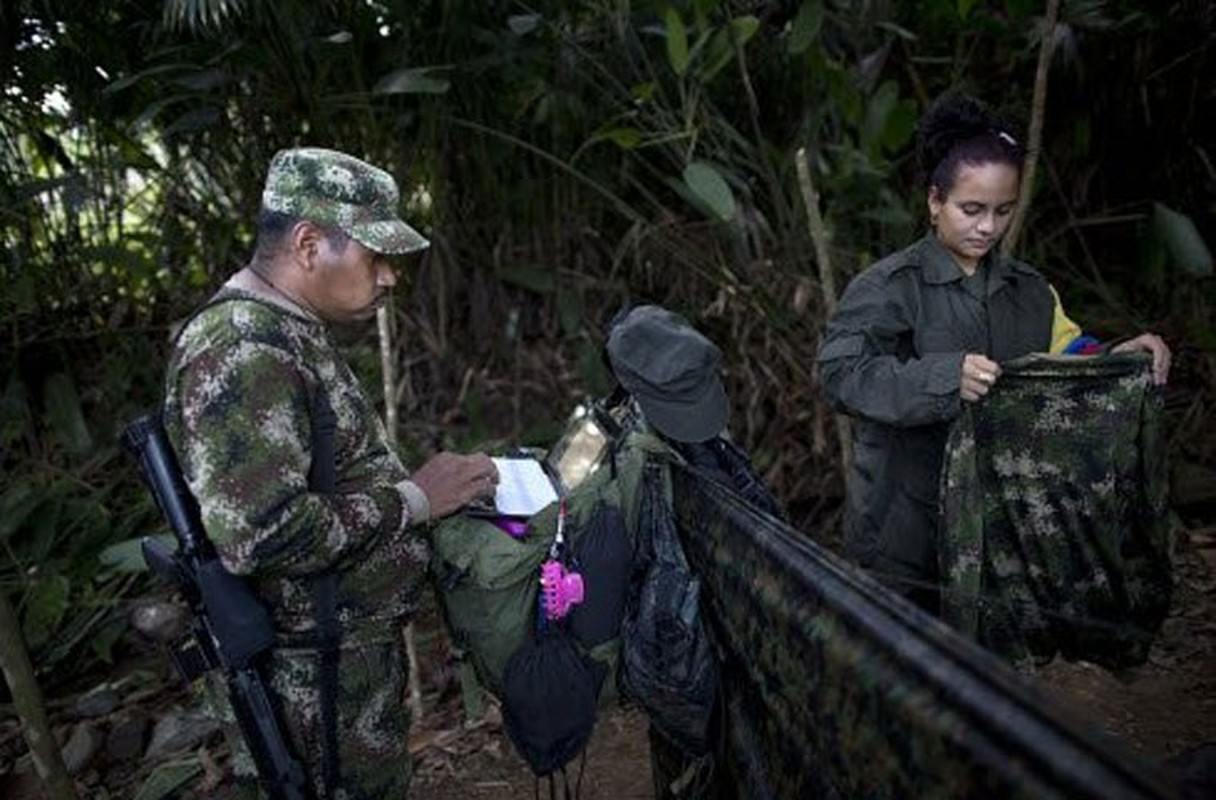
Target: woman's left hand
{"points": [[1149, 343]]}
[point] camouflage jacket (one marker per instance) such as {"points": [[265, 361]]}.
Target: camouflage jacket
{"points": [[242, 388], [891, 357], [1055, 535]]}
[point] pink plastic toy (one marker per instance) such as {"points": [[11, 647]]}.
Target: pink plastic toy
{"points": [[561, 589]]}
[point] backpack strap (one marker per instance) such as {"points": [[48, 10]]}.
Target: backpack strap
{"points": [[322, 479]]}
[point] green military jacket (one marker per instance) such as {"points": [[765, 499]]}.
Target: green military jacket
{"points": [[892, 358], [243, 387]]}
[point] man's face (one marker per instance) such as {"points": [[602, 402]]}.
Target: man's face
{"points": [[350, 280]]}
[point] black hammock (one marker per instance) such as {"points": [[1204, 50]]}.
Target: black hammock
{"points": [[833, 687]]}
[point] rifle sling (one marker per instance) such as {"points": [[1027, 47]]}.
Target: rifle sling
{"points": [[321, 479]]}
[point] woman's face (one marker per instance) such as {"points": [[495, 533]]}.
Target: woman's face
{"points": [[970, 219]]}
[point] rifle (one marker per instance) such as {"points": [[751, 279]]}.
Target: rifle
{"points": [[231, 628]]}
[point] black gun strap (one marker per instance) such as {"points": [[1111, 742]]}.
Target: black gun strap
{"points": [[322, 479], [325, 607]]}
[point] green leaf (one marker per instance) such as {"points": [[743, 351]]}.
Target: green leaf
{"points": [[626, 138], [722, 45], [523, 24], [45, 605], [964, 7], [901, 124], [806, 26], [203, 80], [878, 113], [16, 505], [16, 420], [102, 642], [536, 279], [570, 311], [414, 80], [708, 186], [63, 414], [128, 555], [194, 120], [131, 80], [1186, 247], [898, 30], [677, 41], [643, 92], [166, 779]]}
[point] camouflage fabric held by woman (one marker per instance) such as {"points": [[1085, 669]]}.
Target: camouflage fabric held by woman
{"points": [[1055, 535]]}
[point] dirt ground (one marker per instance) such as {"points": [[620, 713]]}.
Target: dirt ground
{"points": [[1168, 704], [481, 763]]}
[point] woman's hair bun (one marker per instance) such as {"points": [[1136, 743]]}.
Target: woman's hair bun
{"points": [[955, 119], [950, 119]]}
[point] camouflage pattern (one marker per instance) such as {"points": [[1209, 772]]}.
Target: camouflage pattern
{"points": [[834, 687], [340, 191], [1055, 535], [241, 390], [238, 410], [373, 723]]}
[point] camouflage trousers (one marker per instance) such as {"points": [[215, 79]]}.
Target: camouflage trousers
{"points": [[373, 721]]}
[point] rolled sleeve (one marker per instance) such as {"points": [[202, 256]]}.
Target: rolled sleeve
{"points": [[417, 504]]}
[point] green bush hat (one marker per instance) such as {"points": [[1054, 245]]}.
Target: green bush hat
{"points": [[672, 371], [340, 191]]}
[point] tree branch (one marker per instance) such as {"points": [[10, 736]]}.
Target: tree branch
{"points": [[27, 697], [1034, 137]]}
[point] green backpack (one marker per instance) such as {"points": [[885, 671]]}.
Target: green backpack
{"points": [[488, 581]]}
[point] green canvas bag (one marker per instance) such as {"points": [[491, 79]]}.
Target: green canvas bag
{"points": [[488, 581]]}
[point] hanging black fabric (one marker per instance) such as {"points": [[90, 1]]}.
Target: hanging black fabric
{"points": [[548, 701], [602, 556], [668, 659], [727, 463]]}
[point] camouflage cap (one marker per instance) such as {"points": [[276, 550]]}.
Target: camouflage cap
{"points": [[334, 189]]}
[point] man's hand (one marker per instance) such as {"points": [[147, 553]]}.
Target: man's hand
{"points": [[979, 373], [451, 481], [1149, 343]]}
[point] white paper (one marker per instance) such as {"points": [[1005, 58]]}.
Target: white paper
{"points": [[523, 487]]}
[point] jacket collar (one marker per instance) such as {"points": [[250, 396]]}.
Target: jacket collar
{"points": [[938, 266], [246, 282]]}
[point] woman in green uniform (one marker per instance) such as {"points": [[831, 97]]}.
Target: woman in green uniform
{"points": [[923, 330]]}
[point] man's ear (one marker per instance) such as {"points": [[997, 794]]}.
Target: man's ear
{"points": [[305, 241]]}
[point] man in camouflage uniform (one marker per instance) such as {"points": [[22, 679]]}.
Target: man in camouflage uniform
{"points": [[258, 403]]}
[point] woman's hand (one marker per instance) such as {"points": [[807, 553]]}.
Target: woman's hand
{"points": [[1149, 343], [979, 373]]}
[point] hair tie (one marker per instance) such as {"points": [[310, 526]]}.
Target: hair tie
{"points": [[1009, 140]]}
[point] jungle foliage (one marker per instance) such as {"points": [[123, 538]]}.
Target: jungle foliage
{"points": [[565, 158]]}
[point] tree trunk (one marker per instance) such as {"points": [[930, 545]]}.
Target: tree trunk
{"points": [[819, 236], [27, 697], [1034, 136], [388, 374]]}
